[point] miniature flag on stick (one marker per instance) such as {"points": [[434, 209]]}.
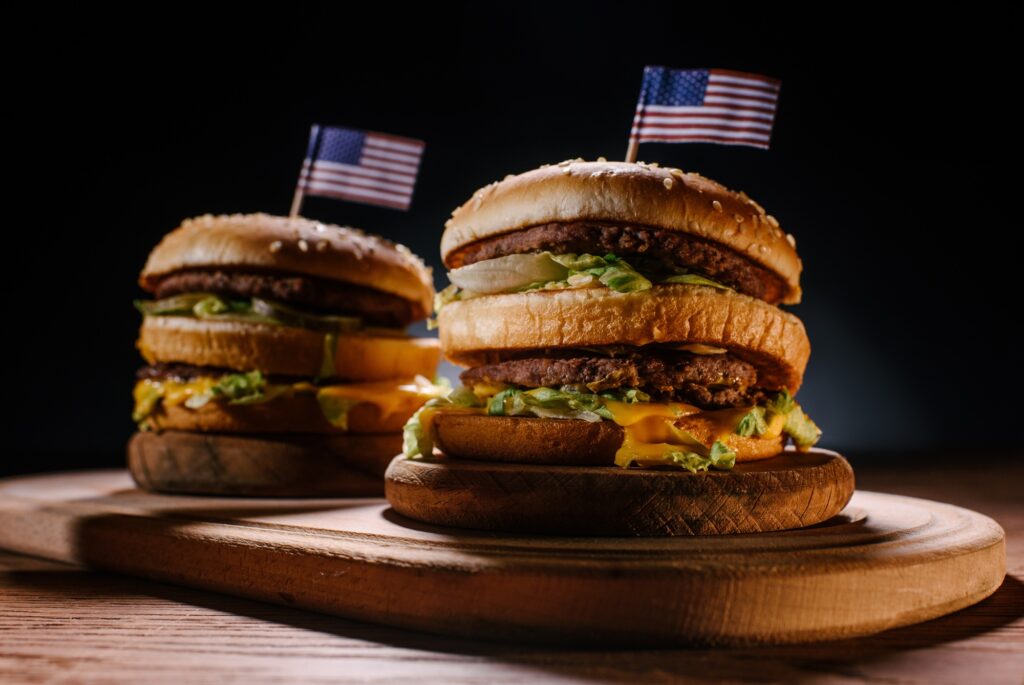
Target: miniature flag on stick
{"points": [[703, 105], [359, 166]]}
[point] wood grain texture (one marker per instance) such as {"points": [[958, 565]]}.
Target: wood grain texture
{"points": [[792, 490], [349, 465], [60, 623], [887, 561]]}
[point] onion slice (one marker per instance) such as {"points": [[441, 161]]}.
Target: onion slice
{"points": [[508, 273]]}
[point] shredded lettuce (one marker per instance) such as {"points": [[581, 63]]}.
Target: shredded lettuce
{"points": [[253, 310], [719, 457], [752, 423], [695, 279], [335, 409], [236, 388], [417, 438], [797, 425], [800, 427], [610, 271], [548, 403]]}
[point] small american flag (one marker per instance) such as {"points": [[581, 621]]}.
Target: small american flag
{"points": [[361, 166], [708, 105]]}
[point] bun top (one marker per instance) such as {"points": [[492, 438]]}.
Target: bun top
{"points": [[292, 246], [624, 192]]}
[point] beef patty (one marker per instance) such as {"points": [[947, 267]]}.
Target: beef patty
{"points": [[708, 381], [178, 371], [314, 294], [660, 248]]}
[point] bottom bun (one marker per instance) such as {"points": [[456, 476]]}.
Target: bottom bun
{"points": [[565, 441], [262, 465]]}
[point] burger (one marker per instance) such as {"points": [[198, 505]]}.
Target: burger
{"points": [[617, 314], [276, 357]]}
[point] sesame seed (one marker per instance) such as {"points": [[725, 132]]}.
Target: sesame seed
{"points": [[601, 159], [739, 218], [773, 221], [694, 226], [717, 205], [320, 228], [668, 183], [791, 239], [566, 170], [304, 246], [763, 248], [275, 246], [321, 246]]}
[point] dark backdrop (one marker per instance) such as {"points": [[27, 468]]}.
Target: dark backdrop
{"points": [[892, 162]]}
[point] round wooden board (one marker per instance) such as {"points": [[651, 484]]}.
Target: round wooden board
{"points": [[792, 490], [265, 466], [884, 562]]}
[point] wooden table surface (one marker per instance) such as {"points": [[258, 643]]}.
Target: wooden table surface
{"points": [[64, 624]]}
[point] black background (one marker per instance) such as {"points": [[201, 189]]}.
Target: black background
{"points": [[893, 161]]}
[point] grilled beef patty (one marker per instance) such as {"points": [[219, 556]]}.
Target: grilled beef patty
{"points": [[314, 294], [642, 246], [708, 381]]}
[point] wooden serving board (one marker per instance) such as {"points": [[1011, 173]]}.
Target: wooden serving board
{"points": [[885, 561]]}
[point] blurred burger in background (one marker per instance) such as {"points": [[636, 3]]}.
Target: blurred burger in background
{"points": [[617, 313], [276, 357]]}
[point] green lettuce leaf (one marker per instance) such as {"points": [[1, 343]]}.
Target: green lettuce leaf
{"points": [[800, 427], [611, 271], [145, 405], [548, 403], [695, 279], [327, 361], [417, 439], [752, 423], [335, 409], [718, 457]]}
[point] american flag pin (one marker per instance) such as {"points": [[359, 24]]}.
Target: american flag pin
{"points": [[704, 105], [359, 166]]}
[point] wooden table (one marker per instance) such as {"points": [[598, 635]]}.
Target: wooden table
{"points": [[64, 624]]}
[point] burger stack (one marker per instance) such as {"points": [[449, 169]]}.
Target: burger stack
{"points": [[617, 315], [277, 344]]}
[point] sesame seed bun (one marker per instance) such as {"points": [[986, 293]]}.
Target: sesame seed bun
{"points": [[485, 329], [637, 194], [282, 350], [566, 442], [293, 246]]}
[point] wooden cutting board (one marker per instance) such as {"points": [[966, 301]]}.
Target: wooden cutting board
{"points": [[885, 561]]}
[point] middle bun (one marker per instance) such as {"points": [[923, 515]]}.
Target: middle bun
{"points": [[480, 330]]}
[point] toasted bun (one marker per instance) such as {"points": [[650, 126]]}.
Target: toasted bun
{"points": [[294, 246], [299, 413], [282, 350], [564, 441], [623, 192], [480, 330]]}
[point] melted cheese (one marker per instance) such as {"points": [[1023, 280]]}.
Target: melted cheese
{"points": [[390, 397]]}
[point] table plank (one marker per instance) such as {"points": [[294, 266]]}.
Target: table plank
{"points": [[61, 624]]}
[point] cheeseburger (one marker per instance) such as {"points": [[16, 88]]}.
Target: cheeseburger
{"points": [[280, 339], [617, 313]]}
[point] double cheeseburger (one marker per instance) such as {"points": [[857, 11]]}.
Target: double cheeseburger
{"points": [[617, 313], [277, 339]]}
